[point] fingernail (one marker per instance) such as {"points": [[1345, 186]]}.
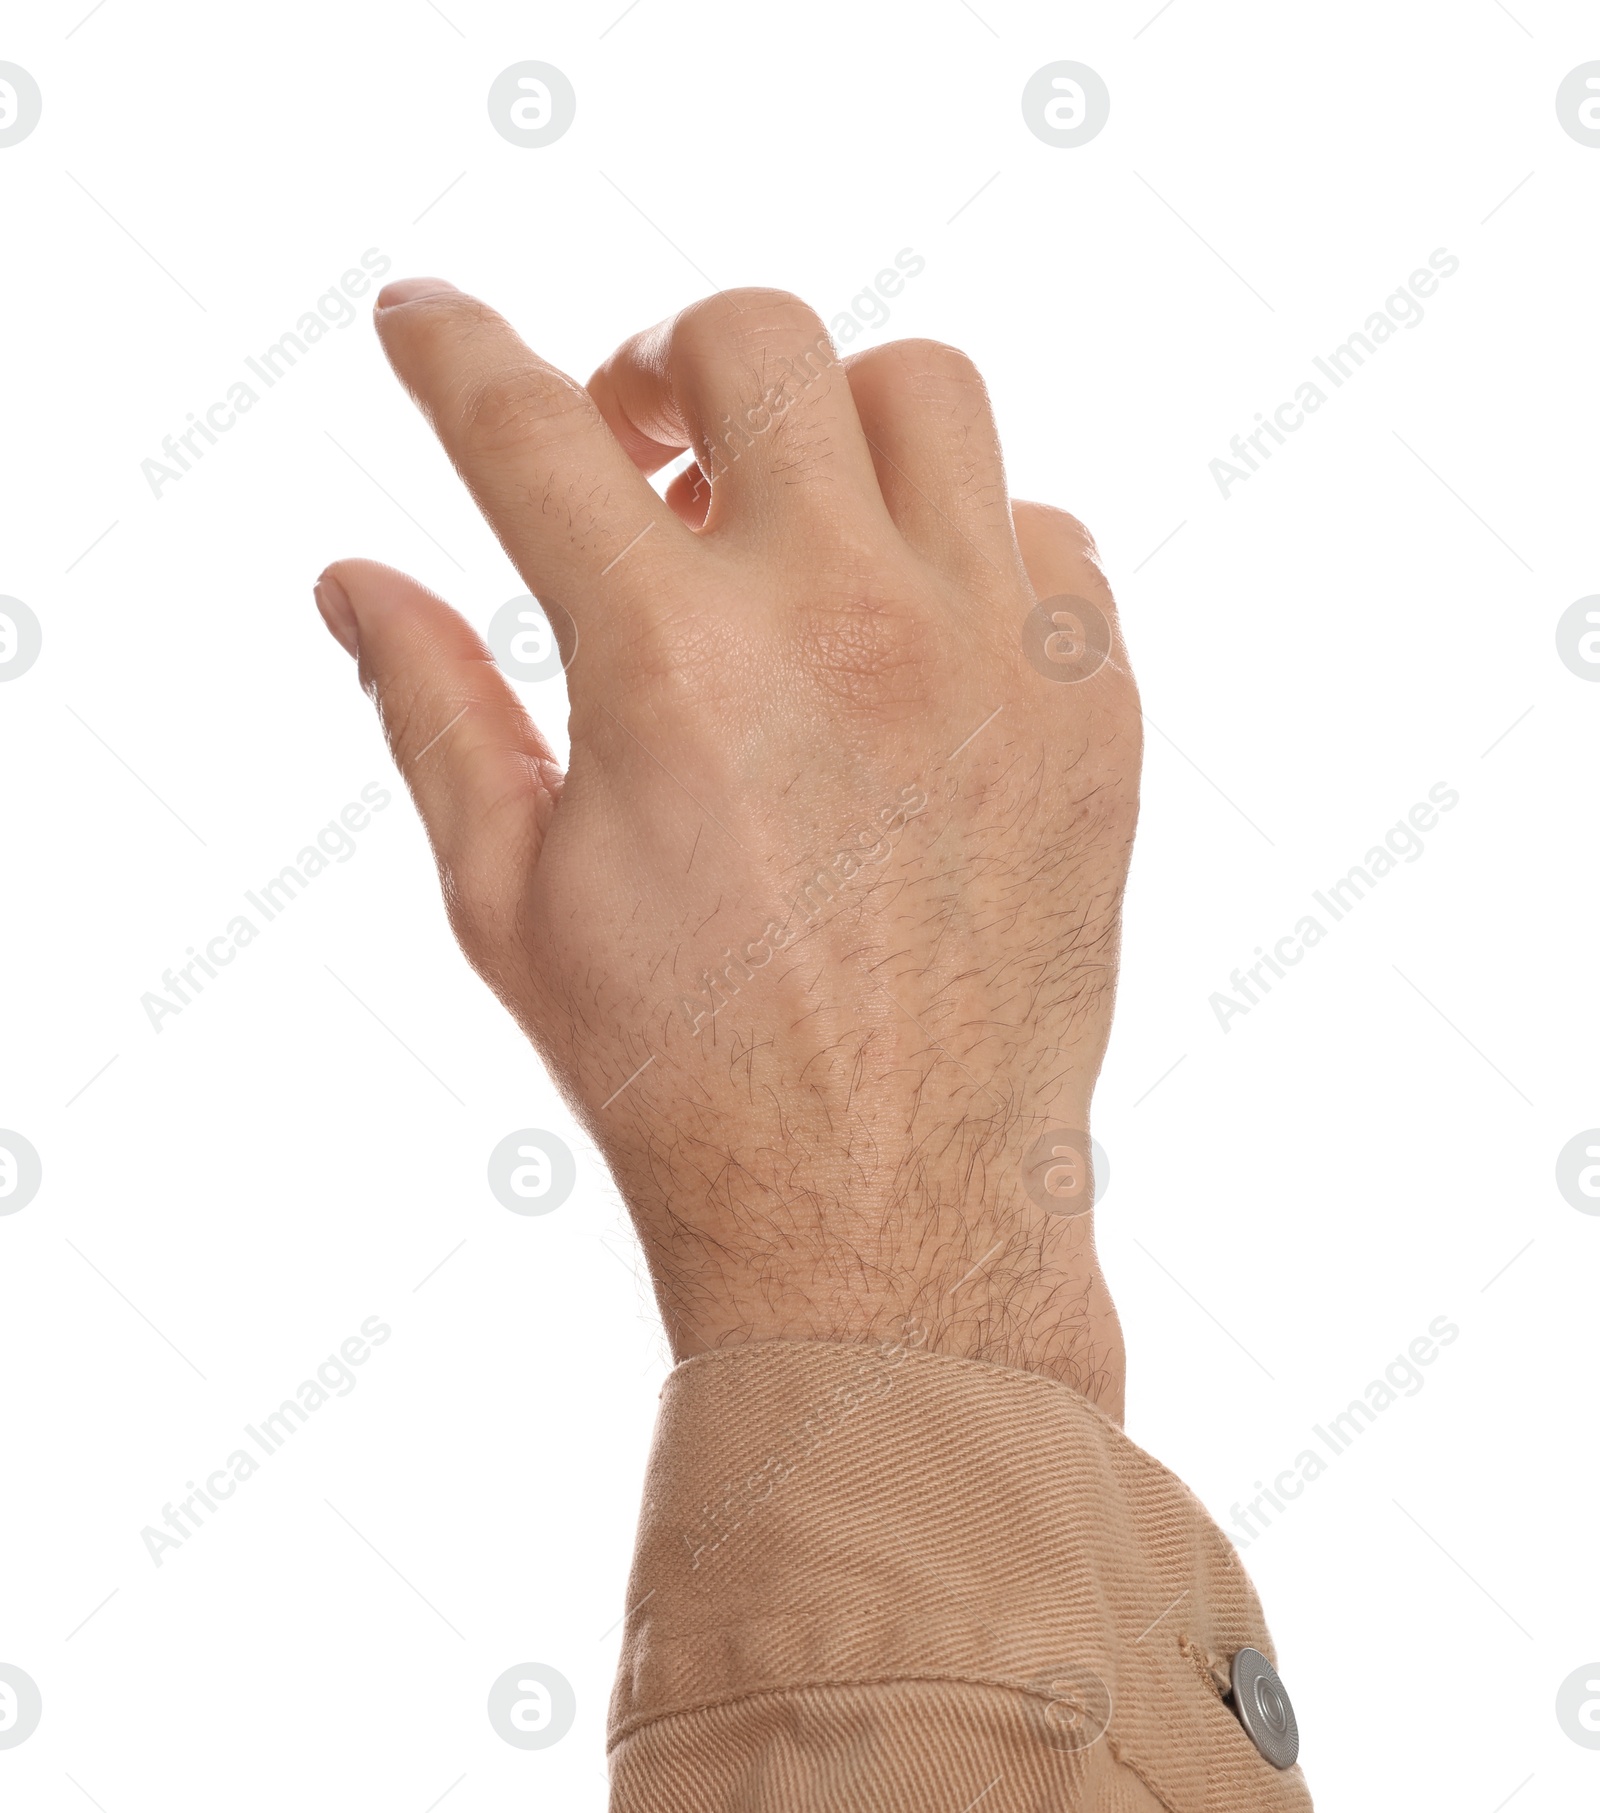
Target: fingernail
{"points": [[411, 289], [333, 601]]}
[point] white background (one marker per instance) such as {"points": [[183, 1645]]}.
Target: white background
{"points": [[1370, 1148]]}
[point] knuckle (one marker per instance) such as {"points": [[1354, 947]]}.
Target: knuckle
{"points": [[689, 663], [517, 407], [1046, 520], [1052, 540], [867, 646], [928, 370], [936, 364], [862, 657], [743, 320]]}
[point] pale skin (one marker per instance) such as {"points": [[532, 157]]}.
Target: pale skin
{"points": [[820, 1099]]}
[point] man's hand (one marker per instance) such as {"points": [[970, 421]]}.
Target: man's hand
{"points": [[818, 933]]}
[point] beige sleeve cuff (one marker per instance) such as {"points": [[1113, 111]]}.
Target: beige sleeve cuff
{"points": [[887, 1581]]}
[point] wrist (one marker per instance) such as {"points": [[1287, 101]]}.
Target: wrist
{"points": [[1004, 1279]]}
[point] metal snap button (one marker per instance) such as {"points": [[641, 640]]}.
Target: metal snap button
{"points": [[1264, 1708]]}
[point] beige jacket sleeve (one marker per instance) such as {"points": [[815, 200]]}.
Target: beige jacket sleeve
{"points": [[889, 1581]]}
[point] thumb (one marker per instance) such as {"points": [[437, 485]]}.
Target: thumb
{"points": [[482, 777]]}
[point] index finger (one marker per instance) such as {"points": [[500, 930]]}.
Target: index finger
{"points": [[569, 506]]}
